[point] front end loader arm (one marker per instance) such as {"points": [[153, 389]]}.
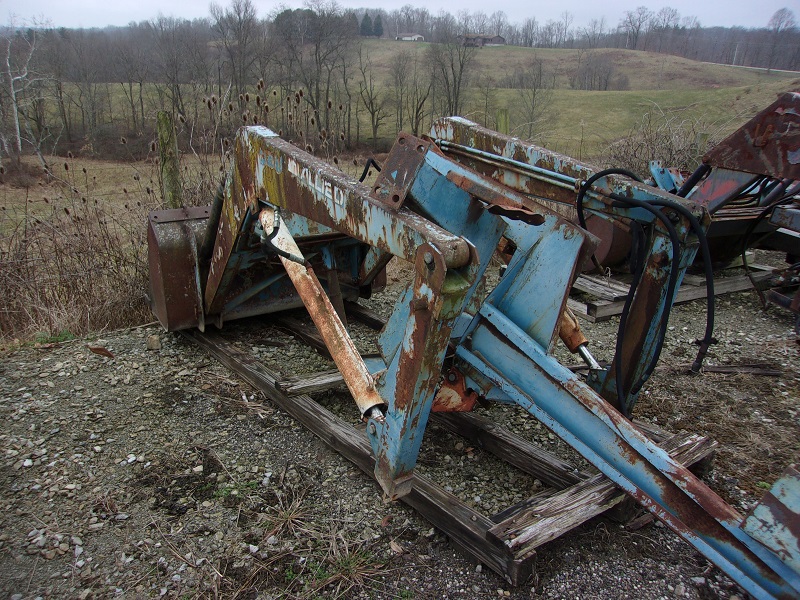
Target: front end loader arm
{"points": [[447, 220]]}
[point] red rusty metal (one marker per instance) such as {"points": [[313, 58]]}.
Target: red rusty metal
{"points": [[775, 520], [503, 204], [569, 330], [768, 144], [173, 237], [453, 394], [429, 275], [683, 501], [399, 170]]}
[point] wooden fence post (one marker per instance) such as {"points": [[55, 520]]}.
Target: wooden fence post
{"points": [[502, 120], [171, 191]]}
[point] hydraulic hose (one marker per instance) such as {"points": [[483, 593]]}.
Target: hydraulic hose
{"points": [[370, 163], [673, 279], [694, 178], [708, 338]]}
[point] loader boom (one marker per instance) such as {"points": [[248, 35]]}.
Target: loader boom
{"points": [[286, 217]]}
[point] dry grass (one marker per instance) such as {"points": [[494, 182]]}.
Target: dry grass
{"points": [[73, 255]]}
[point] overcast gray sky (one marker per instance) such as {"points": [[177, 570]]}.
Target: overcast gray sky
{"points": [[99, 13]]}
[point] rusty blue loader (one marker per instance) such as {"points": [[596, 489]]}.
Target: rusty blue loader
{"points": [[290, 230]]}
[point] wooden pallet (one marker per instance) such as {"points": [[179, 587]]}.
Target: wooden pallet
{"points": [[609, 293], [505, 542]]}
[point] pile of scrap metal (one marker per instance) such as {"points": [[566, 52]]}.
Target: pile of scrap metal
{"points": [[290, 230]]}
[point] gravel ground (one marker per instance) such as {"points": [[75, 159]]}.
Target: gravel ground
{"points": [[135, 471]]}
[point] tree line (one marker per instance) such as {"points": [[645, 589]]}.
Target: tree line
{"points": [[306, 73]]}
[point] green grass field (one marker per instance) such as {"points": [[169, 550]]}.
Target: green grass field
{"points": [[582, 123]]}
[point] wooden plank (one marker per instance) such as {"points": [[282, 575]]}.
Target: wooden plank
{"points": [[603, 310], [607, 289], [580, 309], [309, 384], [365, 315], [653, 432], [465, 526], [482, 432], [536, 523], [493, 438]]}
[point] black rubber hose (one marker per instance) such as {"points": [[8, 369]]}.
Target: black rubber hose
{"points": [[588, 183], [699, 173], [370, 163], [705, 251], [673, 279], [695, 177]]}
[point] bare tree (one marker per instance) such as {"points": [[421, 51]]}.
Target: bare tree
{"points": [[450, 64], [133, 67], [593, 33], [662, 24], [240, 32], [417, 93], [780, 24], [633, 23], [17, 79], [373, 99], [485, 88], [314, 46], [564, 28], [91, 56], [399, 70], [498, 23], [57, 59], [535, 94], [548, 34], [479, 21], [529, 32]]}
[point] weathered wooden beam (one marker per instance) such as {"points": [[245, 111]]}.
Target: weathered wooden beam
{"points": [[493, 438], [607, 289], [365, 315], [309, 384], [603, 310], [543, 518], [171, 189]]}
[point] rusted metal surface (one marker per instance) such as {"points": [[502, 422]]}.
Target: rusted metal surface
{"points": [[768, 144], [500, 346], [503, 356], [498, 203], [786, 216], [526, 167], [399, 170], [569, 330], [342, 349], [720, 186], [412, 377], [775, 521], [453, 394], [173, 237], [275, 171]]}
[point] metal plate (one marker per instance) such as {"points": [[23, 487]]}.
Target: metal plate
{"points": [[173, 237], [768, 144]]}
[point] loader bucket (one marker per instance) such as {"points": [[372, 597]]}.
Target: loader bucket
{"points": [[176, 292]]}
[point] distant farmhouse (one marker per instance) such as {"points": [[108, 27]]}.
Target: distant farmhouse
{"points": [[409, 37], [479, 40]]}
